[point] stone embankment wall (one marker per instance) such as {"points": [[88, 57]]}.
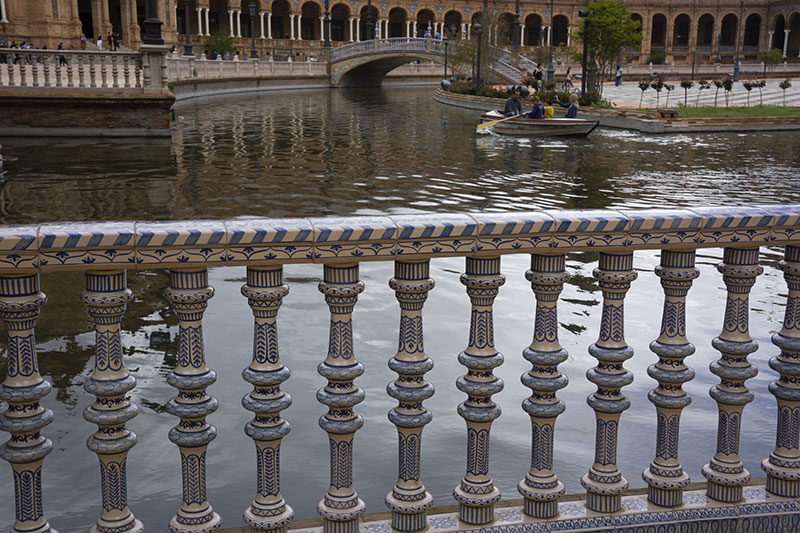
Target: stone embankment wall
{"points": [[117, 115]]}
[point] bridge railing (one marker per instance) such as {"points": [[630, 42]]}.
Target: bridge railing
{"points": [[106, 251], [184, 68], [71, 69], [418, 44]]}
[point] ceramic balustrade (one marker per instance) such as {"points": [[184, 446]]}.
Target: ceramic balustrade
{"points": [[105, 251], [71, 70]]}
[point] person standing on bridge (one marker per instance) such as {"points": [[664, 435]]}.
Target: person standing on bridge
{"points": [[100, 42]]}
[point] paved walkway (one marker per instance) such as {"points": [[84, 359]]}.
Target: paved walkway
{"points": [[628, 94]]}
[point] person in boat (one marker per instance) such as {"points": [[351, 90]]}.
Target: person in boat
{"points": [[513, 104], [537, 111], [572, 106], [548, 109]]}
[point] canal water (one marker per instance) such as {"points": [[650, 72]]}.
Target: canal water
{"points": [[367, 152]]}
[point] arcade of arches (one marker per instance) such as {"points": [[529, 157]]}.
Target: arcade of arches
{"points": [[691, 30]]}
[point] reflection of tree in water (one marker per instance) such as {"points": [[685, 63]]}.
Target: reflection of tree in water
{"points": [[65, 335]]}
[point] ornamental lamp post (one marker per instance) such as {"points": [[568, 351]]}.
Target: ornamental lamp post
{"points": [[516, 31], [368, 26], [253, 53], [152, 25], [738, 41], [551, 69], [584, 13], [187, 47], [477, 30], [326, 25]]}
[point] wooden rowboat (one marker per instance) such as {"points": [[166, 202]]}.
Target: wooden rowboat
{"points": [[540, 127]]}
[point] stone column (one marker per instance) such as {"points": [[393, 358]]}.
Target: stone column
{"points": [[725, 472], [269, 26], [341, 506], [322, 28], [239, 23], [463, 31], [20, 300], [409, 500], [106, 297], [408, 28], [189, 293], [540, 487], [665, 476], [771, 35], [3, 16], [783, 464], [230, 22], [476, 494], [358, 29], [200, 31], [569, 29], [264, 290], [291, 35], [261, 16], [208, 26], [604, 483]]}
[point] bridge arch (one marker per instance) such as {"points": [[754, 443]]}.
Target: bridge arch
{"points": [[365, 64]]}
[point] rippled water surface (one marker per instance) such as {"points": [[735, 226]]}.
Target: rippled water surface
{"points": [[312, 153]]}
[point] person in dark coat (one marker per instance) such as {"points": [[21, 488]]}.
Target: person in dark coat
{"points": [[572, 106], [537, 111], [513, 104]]}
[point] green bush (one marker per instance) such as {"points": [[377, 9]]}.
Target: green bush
{"points": [[771, 57], [491, 92], [462, 87], [657, 57]]}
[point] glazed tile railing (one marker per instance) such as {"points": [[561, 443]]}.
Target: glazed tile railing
{"points": [[71, 69], [182, 68], [418, 44], [106, 250]]}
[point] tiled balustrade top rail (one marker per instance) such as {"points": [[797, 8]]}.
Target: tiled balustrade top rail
{"points": [[99, 245]]}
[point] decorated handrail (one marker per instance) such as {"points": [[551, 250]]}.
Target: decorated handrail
{"points": [[420, 44], [105, 251], [92, 246], [71, 69]]}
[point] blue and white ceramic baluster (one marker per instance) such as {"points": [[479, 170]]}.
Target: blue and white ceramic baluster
{"points": [[604, 483], [725, 472], [540, 486], [783, 464], [189, 293], [106, 297], [409, 500], [665, 476], [476, 494], [20, 300], [268, 513], [341, 506]]}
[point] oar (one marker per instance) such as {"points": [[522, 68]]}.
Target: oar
{"points": [[492, 123]]}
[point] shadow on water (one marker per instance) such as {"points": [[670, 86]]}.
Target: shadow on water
{"points": [[359, 152]]}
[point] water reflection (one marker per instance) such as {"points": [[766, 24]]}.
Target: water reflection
{"points": [[311, 153]]}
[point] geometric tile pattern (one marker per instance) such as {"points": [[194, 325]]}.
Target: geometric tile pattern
{"points": [[758, 512], [140, 245]]}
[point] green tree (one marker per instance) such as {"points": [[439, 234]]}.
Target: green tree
{"points": [[686, 85], [748, 86], [785, 84], [669, 89], [703, 85], [220, 43], [643, 86], [770, 58], [610, 31], [657, 86]]}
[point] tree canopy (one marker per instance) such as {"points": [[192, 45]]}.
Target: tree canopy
{"points": [[610, 30]]}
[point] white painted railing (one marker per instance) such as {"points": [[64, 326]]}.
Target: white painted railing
{"points": [[184, 68], [71, 69], [417, 44], [105, 251]]}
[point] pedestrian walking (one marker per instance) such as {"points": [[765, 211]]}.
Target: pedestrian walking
{"points": [[100, 42], [618, 79]]}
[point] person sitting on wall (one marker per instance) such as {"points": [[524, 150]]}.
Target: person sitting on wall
{"points": [[537, 111], [572, 106], [513, 104]]}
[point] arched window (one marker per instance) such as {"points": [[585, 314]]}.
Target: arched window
{"points": [[534, 36], [340, 23], [452, 25], [658, 32], [560, 30], [680, 33], [397, 22]]}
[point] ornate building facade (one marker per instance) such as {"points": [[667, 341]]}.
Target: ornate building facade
{"points": [[685, 31]]}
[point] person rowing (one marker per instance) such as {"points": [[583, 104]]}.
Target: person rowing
{"points": [[513, 104]]}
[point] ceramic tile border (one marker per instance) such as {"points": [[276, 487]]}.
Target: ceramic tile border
{"points": [[143, 245], [757, 510]]}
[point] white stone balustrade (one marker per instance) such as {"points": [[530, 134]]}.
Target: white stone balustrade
{"points": [[106, 250], [68, 70]]}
